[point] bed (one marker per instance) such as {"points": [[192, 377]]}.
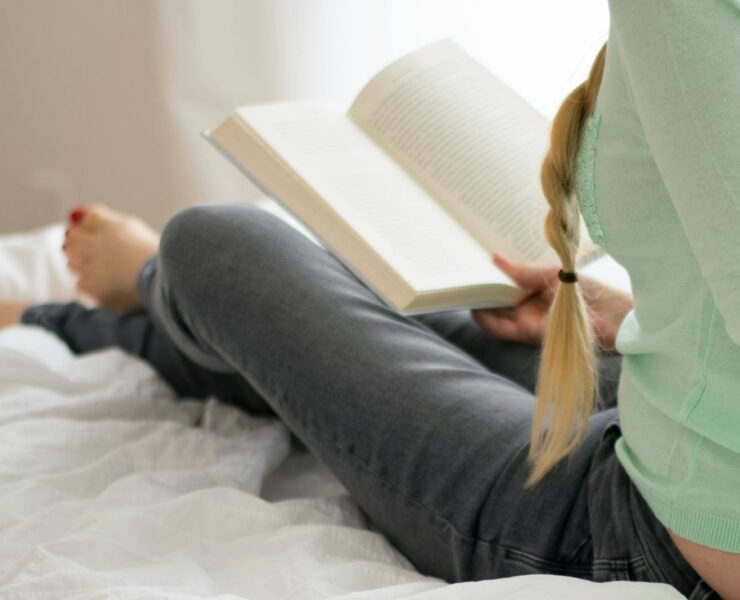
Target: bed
{"points": [[111, 487]]}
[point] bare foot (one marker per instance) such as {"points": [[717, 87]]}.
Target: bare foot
{"points": [[106, 250], [10, 312]]}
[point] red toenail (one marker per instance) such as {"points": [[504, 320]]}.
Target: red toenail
{"points": [[76, 215]]}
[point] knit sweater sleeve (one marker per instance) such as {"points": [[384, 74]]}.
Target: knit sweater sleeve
{"points": [[682, 64]]}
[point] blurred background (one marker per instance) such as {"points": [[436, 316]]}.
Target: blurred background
{"points": [[104, 100]]}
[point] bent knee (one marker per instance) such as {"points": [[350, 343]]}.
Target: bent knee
{"points": [[195, 233], [204, 242], [202, 223]]}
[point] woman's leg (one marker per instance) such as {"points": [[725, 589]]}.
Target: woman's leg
{"points": [[107, 249], [515, 361], [431, 444], [610, 503], [88, 329]]}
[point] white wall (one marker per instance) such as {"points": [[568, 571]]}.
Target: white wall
{"points": [[103, 100]]}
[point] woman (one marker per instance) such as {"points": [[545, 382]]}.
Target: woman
{"points": [[431, 425]]}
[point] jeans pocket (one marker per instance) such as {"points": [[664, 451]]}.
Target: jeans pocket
{"points": [[527, 563], [634, 568]]}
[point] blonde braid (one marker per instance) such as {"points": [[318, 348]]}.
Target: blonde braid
{"points": [[567, 375]]}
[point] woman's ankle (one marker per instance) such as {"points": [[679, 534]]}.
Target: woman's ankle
{"points": [[11, 312]]}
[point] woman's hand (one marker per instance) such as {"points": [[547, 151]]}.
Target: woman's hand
{"points": [[527, 321]]}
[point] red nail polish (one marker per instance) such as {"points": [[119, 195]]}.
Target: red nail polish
{"points": [[76, 215]]}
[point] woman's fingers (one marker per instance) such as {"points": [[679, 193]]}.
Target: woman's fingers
{"points": [[527, 297], [524, 322], [498, 323], [529, 276]]}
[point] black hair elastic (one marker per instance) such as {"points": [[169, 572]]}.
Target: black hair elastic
{"points": [[567, 277]]}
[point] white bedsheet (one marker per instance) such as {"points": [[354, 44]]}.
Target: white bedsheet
{"points": [[112, 488]]}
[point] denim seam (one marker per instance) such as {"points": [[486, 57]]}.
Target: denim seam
{"points": [[392, 486], [587, 539], [651, 565], [204, 338], [623, 563], [534, 560], [550, 566], [354, 458], [327, 442], [478, 515]]}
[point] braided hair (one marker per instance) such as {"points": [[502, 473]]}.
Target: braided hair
{"points": [[566, 382]]}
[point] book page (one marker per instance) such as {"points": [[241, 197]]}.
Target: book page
{"points": [[468, 139], [374, 195]]}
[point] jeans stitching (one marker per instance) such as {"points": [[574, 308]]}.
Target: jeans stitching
{"points": [[613, 565], [204, 336], [651, 565], [354, 458], [543, 564], [307, 423], [588, 538]]}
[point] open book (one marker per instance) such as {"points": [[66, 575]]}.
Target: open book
{"points": [[435, 166]]}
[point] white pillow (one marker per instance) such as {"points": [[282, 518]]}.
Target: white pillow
{"points": [[34, 268]]}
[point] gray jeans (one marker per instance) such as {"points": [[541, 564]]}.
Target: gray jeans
{"points": [[425, 420]]}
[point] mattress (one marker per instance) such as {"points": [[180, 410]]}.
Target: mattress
{"points": [[111, 487]]}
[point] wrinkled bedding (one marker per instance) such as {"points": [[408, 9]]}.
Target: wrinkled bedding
{"points": [[110, 487]]}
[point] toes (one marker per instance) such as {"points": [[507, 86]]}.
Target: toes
{"points": [[77, 264], [89, 217], [93, 219], [77, 215], [77, 247], [71, 240]]}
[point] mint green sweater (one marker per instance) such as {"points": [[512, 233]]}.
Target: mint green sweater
{"points": [[658, 181]]}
